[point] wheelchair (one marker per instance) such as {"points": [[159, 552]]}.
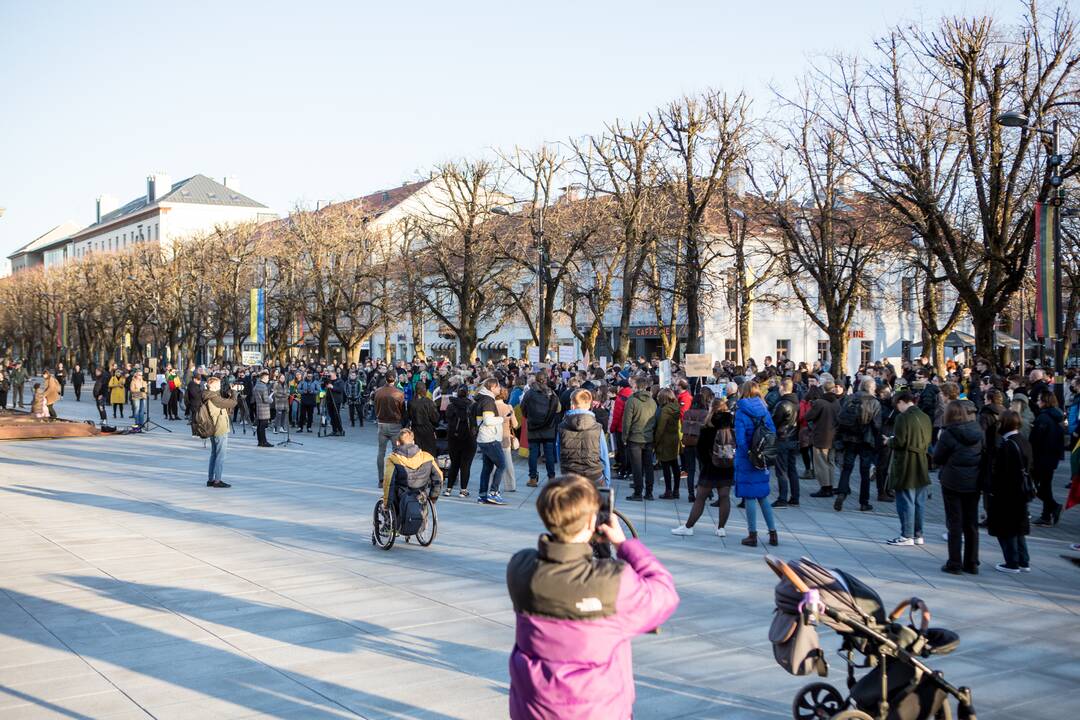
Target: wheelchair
{"points": [[386, 525]]}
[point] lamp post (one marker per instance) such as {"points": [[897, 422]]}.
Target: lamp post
{"points": [[1020, 119], [541, 275]]}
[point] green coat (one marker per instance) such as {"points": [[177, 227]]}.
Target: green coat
{"points": [[639, 418], [910, 468], [666, 437]]}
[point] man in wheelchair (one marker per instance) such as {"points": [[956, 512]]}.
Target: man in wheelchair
{"points": [[408, 468]]}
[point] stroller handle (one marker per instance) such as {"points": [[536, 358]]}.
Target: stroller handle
{"points": [[784, 572], [917, 606]]}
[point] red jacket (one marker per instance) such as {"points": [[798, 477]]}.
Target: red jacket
{"points": [[617, 410], [685, 401]]}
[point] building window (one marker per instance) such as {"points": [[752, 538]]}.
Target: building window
{"points": [[731, 354], [866, 352], [783, 350], [822, 350], [907, 294]]}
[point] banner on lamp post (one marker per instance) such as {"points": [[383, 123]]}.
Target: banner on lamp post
{"points": [[257, 332], [1046, 310]]}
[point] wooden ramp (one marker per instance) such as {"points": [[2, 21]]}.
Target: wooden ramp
{"points": [[17, 425]]}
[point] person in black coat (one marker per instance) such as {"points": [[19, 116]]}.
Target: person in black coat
{"points": [[460, 440], [1047, 446], [77, 381], [959, 453], [193, 398], [101, 392], [1008, 511], [423, 419]]}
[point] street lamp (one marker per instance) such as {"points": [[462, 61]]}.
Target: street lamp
{"points": [[541, 275], [1020, 119]]}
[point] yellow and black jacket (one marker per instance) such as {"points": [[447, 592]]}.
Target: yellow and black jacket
{"points": [[410, 466]]}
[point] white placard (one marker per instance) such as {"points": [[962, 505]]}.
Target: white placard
{"points": [[567, 354], [603, 362], [251, 357], [698, 365], [534, 355], [718, 390], [665, 373]]}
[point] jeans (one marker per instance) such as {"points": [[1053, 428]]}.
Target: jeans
{"points": [[307, 414], [641, 464], [865, 454], [508, 481], [823, 467], [909, 506], [140, 411], [387, 433], [548, 447], [101, 408], [688, 462], [280, 419], [492, 469], [671, 477], [218, 445], [962, 520], [1014, 548], [787, 470], [766, 511]]}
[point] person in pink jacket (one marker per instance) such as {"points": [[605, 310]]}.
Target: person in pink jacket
{"points": [[576, 614]]}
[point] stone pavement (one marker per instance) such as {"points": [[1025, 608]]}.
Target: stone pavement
{"points": [[129, 589]]}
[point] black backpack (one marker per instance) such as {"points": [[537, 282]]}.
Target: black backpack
{"points": [[203, 422], [539, 422], [410, 513], [762, 450], [461, 425], [848, 421]]}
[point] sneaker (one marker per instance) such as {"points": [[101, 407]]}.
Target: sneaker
{"points": [[494, 500], [1025, 568], [838, 504], [721, 532], [682, 530], [945, 536], [823, 492], [533, 482], [779, 503], [634, 498], [482, 499], [920, 540], [446, 492], [793, 503], [901, 540], [866, 507], [463, 493], [220, 484], [1002, 567], [951, 569]]}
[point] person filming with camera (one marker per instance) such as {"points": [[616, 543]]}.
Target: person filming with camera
{"points": [[576, 614]]}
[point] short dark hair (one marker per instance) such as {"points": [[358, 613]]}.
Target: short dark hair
{"points": [[904, 397]]}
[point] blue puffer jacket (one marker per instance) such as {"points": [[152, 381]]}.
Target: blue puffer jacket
{"points": [[750, 482]]}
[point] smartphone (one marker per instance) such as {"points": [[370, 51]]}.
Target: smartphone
{"points": [[607, 504]]}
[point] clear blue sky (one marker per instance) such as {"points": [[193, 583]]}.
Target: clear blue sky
{"points": [[305, 101]]}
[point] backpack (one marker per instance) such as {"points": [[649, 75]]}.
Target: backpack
{"points": [[723, 449], [762, 450], [691, 428], [410, 514], [461, 426], [538, 422], [848, 420], [203, 423]]}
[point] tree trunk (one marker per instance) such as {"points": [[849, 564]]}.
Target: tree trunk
{"points": [[937, 345], [983, 321], [838, 352], [693, 312], [416, 321], [387, 353]]}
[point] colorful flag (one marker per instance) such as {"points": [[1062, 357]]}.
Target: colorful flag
{"points": [[258, 316], [1046, 310]]}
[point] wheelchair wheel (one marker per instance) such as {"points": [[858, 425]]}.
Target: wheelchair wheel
{"points": [[817, 701], [382, 526], [430, 526]]}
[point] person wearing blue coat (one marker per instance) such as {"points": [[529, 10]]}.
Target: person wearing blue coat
{"points": [[752, 483]]}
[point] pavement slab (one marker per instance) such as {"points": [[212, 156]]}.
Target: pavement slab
{"points": [[130, 590]]}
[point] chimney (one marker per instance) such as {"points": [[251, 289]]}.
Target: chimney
{"points": [[232, 182], [158, 186], [105, 205], [736, 182]]}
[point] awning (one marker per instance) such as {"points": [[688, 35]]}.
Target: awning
{"points": [[960, 339], [493, 345], [443, 346]]}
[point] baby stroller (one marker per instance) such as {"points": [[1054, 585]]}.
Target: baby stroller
{"points": [[442, 446], [899, 686]]}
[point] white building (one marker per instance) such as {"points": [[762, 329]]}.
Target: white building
{"points": [[166, 212], [42, 249]]}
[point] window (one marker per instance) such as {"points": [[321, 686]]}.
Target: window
{"points": [[731, 354], [822, 350], [866, 352], [907, 294], [783, 350]]}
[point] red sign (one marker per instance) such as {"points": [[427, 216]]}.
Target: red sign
{"points": [[856, 334]]}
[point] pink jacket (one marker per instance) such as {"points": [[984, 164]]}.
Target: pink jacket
{"points": [[576, 669]]}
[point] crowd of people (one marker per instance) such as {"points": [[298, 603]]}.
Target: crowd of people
{"points": [[993, 435]]}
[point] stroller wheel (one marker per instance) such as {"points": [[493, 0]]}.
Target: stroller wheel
{"points": [[818, 701], [851, 715]]}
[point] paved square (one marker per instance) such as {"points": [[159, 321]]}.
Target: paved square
{"points": [[129, 589]]}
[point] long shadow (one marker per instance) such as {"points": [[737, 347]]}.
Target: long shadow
{"points": [[45, 704], [278, 532], [297, 695], [280, 623]]}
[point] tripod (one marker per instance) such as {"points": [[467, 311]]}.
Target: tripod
{"points": [[149, 424], [288, 431]]}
